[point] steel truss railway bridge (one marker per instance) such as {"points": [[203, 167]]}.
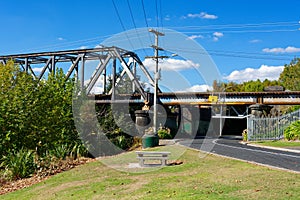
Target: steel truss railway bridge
{"points": [[104, 61]]}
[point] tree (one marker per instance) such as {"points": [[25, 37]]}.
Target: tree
{"points": [[290, 77], [35, 115], [218, 85], [16, 104]]}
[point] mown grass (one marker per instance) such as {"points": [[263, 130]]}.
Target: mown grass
{"points": [[279, 143], [199, 177]]}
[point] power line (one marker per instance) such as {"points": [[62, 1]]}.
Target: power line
{"points": [[243, 31], [161, 15], [120, 20], [133, 21], [118, 15], [146, 21], [220, 26], [68, 44], [145, 16], [230, 54], [157, 16], [161, 21], [131, 14], [268, 28]]}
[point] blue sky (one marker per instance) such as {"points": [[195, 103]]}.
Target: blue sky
{"points": [[245, 39]]}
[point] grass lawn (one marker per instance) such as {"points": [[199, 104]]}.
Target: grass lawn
{"points": [[199, 177], [280, 143]]}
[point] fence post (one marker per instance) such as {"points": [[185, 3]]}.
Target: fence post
{"points": [[278, 129], [249, 128]]}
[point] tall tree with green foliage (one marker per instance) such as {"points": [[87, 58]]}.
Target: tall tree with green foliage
{"points": [[35, 115], [290, 77]]}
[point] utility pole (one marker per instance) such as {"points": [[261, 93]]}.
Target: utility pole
{"points": [[156, 74]]}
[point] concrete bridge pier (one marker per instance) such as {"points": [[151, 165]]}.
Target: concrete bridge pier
{"points": [[189, 115], [260, 110]]}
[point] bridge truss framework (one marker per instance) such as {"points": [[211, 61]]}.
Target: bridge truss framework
{"points": [[78, 59]]}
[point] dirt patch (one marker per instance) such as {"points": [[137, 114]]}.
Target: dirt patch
{"points": [[10, 186], [20, 184]]}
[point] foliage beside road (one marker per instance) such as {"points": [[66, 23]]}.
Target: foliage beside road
{"points": [[292, 132], [36, 122]]}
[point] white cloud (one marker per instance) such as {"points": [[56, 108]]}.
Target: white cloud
{"points": [[215, 39], [60, 39], [199, 88], [37, 69], [98, 87], [170, 64], [192, 37], [262, 73], [85, 47], [99, 46], [202, 15], [255, 41], [167, 18], [288, 49], [217, 35]]}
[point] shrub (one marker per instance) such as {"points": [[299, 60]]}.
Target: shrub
{"points": [[19, 164], [35, 115], [292, 132], [245, 135], [78, 151], [59, 158], [60, 151], [137, 142], [123, 142], [164, 133]]}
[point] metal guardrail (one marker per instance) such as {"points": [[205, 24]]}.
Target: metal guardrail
{"points": [[270, 128]]}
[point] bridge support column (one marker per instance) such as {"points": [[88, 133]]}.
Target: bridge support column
{"points": [[260, 110], [142, 122], [190, 117]]}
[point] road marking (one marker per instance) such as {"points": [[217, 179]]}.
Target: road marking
{"points": [[254, 150], [243, 160]]}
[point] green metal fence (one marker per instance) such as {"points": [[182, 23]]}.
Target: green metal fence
{"points": [[270, 128]]}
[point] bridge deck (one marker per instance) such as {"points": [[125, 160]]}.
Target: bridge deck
{"points": [[224, 98]]}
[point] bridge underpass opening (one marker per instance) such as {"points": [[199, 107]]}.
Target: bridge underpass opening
{"points": [[199, 121], [220, 125], [234, 126], [234, 120]]}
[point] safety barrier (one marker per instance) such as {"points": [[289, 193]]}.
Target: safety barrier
{"points": [[269, 128]]}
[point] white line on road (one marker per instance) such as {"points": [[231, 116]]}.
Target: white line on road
{"points": [[254, 150]]}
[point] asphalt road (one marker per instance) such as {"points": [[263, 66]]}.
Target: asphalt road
{"points": [[233, 148]]}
